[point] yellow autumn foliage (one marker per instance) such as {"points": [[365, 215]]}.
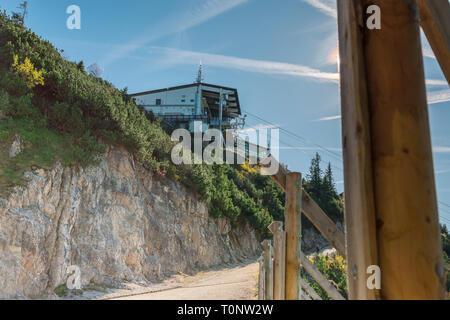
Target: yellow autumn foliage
{"points": [[28, 72], [247, 167]]}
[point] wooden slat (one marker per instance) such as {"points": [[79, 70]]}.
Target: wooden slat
{"points": [[279, 258], [359, 198], [304, 296], [321, 280], [435, 22], [309, 290], [261, 278], [293, 213], [268, 268], [323, 223]]}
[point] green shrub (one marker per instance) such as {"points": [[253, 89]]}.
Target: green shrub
{"points": [[61, 290]]}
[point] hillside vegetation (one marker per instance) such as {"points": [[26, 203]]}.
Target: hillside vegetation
{"points": [[64, 114]]}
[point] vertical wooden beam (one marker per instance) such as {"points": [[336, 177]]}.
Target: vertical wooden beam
{"points": [[359, 199], [293, 234], [279, 258], [261, 278], [323, 223], [383, 92], [408, 235], [268, 268], [435, 22]]}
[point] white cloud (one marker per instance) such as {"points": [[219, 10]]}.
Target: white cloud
{"points": [[441, 149], [175, 56], [207, 10], [438, 96], [436, 83], [327, 7], [329, 118], [428, 52]]}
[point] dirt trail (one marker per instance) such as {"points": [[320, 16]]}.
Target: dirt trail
{"points": [[230, 283]]}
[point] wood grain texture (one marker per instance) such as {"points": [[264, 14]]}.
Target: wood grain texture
{"points": [[268, 269], [279, 258], [293, 213], [360, 230], [408, 232]]}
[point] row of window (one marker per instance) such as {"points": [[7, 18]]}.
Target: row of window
{"points": [[158, 102]]}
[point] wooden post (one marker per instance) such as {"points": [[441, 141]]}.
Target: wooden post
{"points": [[359, 202], [389, 176], [261, 278], [293, 234], [279, 256], [435, 22], [268, 268]]}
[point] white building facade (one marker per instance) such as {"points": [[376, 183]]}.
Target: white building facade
{"points": [[212, 105]]}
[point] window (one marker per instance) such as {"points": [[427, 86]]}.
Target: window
{"points": [[192, 100], [158, 102], [183, 100]]}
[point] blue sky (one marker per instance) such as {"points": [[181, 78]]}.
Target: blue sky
{"points": [[280, 55]]}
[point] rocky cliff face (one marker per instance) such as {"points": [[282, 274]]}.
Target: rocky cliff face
{"points": [[116, 222]]}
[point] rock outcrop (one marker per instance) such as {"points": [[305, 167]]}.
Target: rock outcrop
{"points": [[116, 222]]}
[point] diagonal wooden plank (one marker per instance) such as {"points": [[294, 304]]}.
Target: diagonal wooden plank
{"points": [[321, 280], [323, 223], [305, 286], [435, 22], [304, 296]]}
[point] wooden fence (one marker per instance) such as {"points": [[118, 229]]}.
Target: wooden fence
{"points": [[281, 263]]}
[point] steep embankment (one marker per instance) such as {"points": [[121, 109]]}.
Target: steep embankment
{"points": [[115, 221]]}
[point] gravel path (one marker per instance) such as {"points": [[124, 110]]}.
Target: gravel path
{"points": [[237, 282]]}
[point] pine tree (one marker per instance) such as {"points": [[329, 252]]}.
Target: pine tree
{"points": [[19, 17], [329, 189], [322, 189], [315, 178]]}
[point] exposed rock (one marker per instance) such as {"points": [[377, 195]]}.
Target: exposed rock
{"points": [[115, 222], [313, 240], [224, 225], [16, 146]]}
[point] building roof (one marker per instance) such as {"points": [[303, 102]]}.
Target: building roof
{"points": [[189, 86]]}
